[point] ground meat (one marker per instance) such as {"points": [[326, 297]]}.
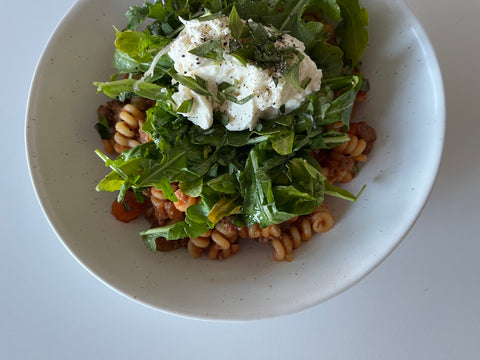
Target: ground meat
{"points": [[142, 103], [106, 112], [111, 110], [364, 131], [168, 245]]}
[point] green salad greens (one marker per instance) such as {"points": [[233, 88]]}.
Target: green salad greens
{"points": [[266, 175]]}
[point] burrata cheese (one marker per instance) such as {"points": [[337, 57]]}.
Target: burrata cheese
{"points": [[270, 91]]}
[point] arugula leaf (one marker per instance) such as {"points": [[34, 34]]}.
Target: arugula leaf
{"points": [[140, 45], [256, 188], [342, 193], [125, 64], [327, 57], [225, 183], [124, 168], [192, 188], [354, 36], [136, 15], [112, 182], [115, 89], [330, 8], [341, 107], [226, 206], [169, 232]]}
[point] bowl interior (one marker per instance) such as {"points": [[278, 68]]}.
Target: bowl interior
{"points": [[405, 105]]}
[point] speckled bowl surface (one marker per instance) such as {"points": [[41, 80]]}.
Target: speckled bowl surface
{"points": [[405, 105]]}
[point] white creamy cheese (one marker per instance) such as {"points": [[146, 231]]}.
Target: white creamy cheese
{"points": [[268, 95]]}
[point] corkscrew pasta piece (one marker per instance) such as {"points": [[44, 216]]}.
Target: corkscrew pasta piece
{"points": [[194, 250], [278, 250], [108, 146], [354, 148], [131, 115], [321, 219], [339, 164], [127, 128], [220, 240], [287, 245], [300, 231], [201, 242], [295, 236]]}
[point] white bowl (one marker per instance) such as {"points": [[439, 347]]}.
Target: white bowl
{"points": [[405, 105]]}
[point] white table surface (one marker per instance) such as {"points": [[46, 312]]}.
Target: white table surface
{"points": [[421, 303]]}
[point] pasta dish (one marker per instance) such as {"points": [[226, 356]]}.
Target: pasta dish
{"points": [[234, 120]]}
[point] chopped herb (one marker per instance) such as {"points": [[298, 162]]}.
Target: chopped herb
{"points": [[211, 49], [235, 24], [293, 75], [198, 85], [102, 127], [240, 102], [186, 106]]}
